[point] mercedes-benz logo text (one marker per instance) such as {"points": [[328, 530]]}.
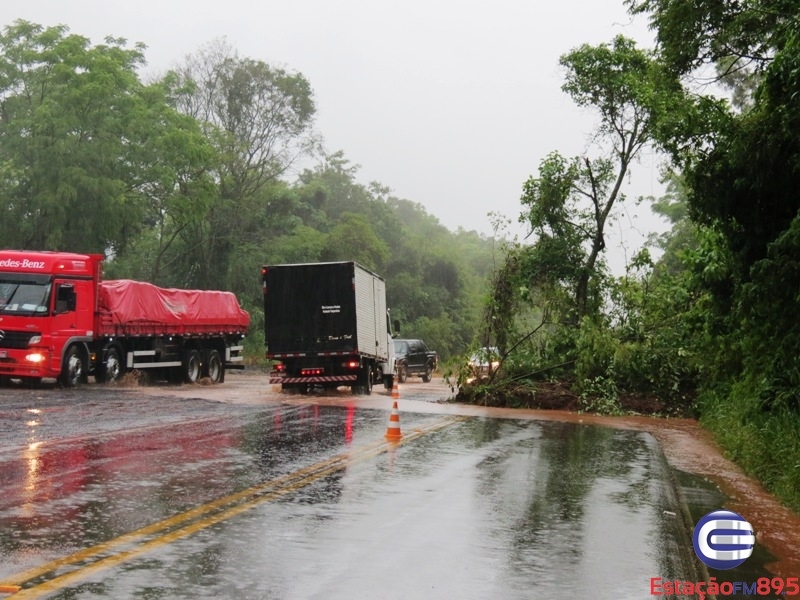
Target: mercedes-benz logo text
{"points": [[723, 539]]}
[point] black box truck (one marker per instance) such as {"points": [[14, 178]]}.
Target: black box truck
{"points": [[326, 325]]}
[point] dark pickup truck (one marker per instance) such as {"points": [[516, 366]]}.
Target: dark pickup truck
{"points": [[412, 357]]}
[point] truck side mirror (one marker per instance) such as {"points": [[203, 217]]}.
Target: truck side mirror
{"points": [[397, 326]]}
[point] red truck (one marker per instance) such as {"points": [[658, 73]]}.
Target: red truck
{"points": [[59, 319]]}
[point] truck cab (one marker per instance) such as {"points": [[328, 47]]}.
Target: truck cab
{"points": [[47, 304]]}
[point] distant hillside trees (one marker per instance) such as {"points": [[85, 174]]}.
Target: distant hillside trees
{"points": [[185, 182]]}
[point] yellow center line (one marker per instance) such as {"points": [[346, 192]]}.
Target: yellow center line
{"points": [[242, 501]]}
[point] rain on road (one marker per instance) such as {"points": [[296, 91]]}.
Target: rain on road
{"points": [[165, 493]]}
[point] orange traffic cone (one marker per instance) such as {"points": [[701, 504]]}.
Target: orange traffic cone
{"points": [[393, 430], [9, 589], [395, 389]]}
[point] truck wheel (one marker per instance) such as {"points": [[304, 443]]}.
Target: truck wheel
{"points": [[215, 368], [402, 373], [192, 366], [113, 368], [368, 381], [72, 368], [427, 375], [364, 383]]}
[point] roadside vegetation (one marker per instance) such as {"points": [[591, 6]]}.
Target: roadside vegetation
{"points": [[709, 328], [194, 179]]}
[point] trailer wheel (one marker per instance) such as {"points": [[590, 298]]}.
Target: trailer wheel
{"points": [[215, 368], [192, 366], [72, 369], [113, 368]]}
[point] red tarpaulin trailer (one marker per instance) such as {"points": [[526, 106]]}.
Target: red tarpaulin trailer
{"points": [[129, 307]]}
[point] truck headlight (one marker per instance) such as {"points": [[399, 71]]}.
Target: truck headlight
{"points": [[36, 357]]}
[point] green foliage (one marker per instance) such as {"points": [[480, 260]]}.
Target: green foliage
{"points": [[258, 119], [765, 443], [694, 34], [570, 203], [600, 395], [553, 306], [623, 84], [646, 344], [354, 238], [683, 236], [740, 254], [547, 304], [91, 155], [303, 244]]}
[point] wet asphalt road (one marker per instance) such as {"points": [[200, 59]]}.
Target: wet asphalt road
{"points": [[112, 493]]}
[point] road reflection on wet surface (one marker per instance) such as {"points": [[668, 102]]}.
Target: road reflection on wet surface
{"points": [[310, 501], [478, 508]]}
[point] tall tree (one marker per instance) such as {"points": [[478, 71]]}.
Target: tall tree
{"points": [[90, 153], [569, 205], [260, 120]]}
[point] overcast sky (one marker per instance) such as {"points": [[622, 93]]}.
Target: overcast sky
{"points": [[449, 103]]}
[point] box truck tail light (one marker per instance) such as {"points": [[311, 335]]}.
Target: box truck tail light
{"points": [[351, 364], [312, 372], [279, 367]]}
